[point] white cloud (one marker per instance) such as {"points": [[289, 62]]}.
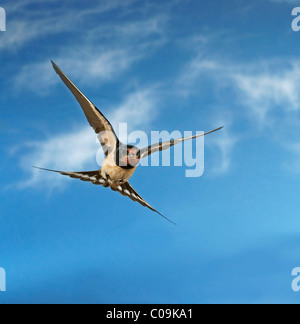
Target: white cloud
{"points": [[69, 151], [260, 87], [191, 77], [25, 25], [138, 109], [271, 89], [271, 93], [92, 59], [87, 66], [223, 143], [98, 53], [38, 77], [263, 94]]}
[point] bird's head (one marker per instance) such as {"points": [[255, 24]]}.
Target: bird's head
{"points": [[128, 156]]}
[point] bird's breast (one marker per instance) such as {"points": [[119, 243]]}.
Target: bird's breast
{"points": [[115, 174]]}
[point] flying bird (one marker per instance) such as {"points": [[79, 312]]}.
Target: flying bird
{"points": [[121, 160]]}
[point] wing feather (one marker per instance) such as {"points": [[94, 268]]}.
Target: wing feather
{"points": [[96, 119], [90, 176], [166, 145], [127, 190]]}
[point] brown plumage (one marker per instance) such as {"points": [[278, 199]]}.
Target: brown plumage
{"points": [[121, 160]]}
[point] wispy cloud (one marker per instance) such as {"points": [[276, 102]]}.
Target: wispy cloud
{"points": [[93, 59], [99, 51], [24, 26], [262, 87], [270, 89], [87, 66], [69, 151], [223, 144], [263, 94]]}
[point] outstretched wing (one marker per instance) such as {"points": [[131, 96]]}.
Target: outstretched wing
{"points": [[165, 145], [91, 176], [97, 120], [126, 190]]}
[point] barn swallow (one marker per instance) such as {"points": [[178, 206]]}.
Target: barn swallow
{"points": [[121, 160]]}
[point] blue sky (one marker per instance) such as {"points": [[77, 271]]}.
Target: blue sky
{"points": [[173, 65]]}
